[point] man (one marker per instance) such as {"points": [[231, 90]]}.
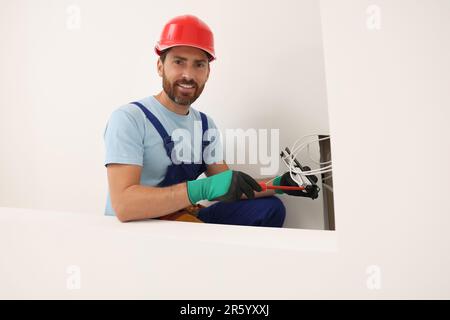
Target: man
{"points": [[146, 179]]}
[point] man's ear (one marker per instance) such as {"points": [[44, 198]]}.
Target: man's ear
{"points": [[160, 67]]}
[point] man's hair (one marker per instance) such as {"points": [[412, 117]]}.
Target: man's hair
{"points": [[163, 55]]}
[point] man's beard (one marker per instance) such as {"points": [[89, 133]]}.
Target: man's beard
{"points": [[174, 93]]}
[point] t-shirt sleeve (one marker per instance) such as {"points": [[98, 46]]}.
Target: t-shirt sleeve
{"points": [[124, 139], [214, 151]]}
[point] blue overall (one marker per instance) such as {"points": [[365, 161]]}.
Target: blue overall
{"points": [[267, 211]]}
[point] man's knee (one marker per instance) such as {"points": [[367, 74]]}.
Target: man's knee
{"points": [[266, 212]]}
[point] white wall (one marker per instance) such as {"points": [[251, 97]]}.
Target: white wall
{"points": [[59, 86], [388, 100]]}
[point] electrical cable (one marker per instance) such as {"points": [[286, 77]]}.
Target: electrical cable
{"points": [[296, 173]]}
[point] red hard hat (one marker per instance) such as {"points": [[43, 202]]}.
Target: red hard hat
{"points": [[186, 30]]}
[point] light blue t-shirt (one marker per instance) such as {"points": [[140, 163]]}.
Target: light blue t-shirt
{"points": [[130, 138]]}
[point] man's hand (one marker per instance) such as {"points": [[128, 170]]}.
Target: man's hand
{"points": [[226, 186]]}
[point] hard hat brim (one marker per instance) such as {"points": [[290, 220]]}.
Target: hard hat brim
{"points": [[160, 48]]}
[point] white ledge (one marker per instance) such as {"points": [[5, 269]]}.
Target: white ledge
{"points": [[107, 226]]}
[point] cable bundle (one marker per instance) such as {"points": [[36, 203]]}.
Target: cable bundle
{"points": [[299, 174]]}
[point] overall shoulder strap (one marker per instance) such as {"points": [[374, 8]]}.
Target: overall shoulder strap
{"points": [[204, 122], [154, 121], [167, 140], [204, 129]]}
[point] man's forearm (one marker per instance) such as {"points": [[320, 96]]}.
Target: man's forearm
{"points": [[140, 202]]}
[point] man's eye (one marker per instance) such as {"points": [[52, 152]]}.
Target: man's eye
{"points": [[200, 65], [177, 61]]}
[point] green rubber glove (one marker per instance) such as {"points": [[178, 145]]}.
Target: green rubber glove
{"points": [[277, 182], [226, 186]]}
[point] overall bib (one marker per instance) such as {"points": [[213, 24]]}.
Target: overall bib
{"points": [[268, 211]]}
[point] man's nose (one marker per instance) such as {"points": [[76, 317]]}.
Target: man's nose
{"points": [[188, 73], [187, 77]]}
